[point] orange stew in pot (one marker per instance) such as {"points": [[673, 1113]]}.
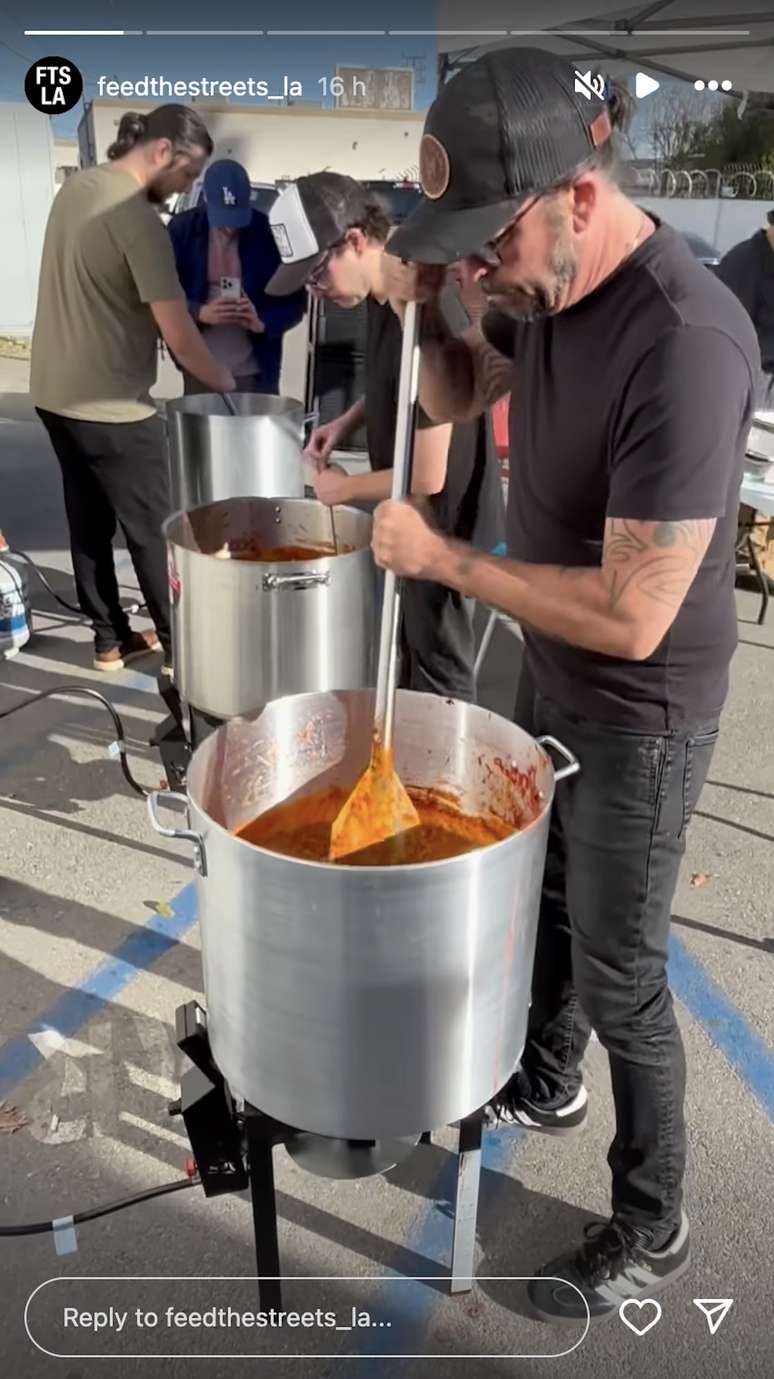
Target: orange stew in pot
{"points": [[275, 554], [303, 829]]}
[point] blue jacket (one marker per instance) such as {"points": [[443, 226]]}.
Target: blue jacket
{"points": [[190, 234]]}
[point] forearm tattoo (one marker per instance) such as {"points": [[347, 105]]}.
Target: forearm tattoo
{"points": [[656, 559], [492, 371]]}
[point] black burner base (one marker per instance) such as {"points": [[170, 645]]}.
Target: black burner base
{"points": [[233, 1145], [176, 743], [170, 738]]}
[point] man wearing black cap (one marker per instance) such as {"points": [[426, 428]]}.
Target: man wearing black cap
{"points": [[748, 269], [331, 235], [632, 374], [225, 255]]}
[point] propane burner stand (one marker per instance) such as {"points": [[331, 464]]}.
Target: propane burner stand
{"points": [[233, 1144], [176, 740]]}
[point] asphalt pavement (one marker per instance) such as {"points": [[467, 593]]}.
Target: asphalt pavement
{"points": [[99, 946]]}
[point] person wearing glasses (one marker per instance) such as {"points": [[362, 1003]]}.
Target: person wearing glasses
{"points": [[632, 373], [331, 234]]}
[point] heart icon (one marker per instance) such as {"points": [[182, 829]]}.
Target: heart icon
{"points": [[647, 1306]]}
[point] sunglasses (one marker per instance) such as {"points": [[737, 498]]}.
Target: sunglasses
{"points": [[491, 253]]}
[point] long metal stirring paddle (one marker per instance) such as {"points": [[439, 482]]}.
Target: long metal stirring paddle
{"points": [[379, 807], [384, 707]]}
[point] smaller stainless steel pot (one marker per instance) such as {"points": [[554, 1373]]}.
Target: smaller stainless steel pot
{"points": [[245, 631], [256, 453]]}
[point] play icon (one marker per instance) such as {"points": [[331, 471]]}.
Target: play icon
{"points": [[715, 1310], [645, 85]]}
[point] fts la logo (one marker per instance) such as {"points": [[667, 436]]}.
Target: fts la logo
{"points": [[53, 85]]}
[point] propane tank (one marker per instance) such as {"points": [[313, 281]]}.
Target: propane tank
{"points": [[15, 616]]}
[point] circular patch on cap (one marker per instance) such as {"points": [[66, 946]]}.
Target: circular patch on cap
{"points": [[434, 167]]}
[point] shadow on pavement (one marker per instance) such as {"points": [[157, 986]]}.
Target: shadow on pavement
{"points": [[71, 921], [86, 830], [730, 823], [741, 789], [765, 945]]}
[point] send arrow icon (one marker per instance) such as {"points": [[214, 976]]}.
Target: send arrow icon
{"points": [[715, 1310]]}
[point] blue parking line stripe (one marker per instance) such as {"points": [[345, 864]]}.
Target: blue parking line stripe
{"points": [[431, 1236], [749, 1055], [725, 1027], [148, 943]]}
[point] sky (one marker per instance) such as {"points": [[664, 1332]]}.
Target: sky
{"points": [[304, 59]]}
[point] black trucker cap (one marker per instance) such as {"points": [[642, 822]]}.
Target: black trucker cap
{"points": [[509, 125], [307, 218]]}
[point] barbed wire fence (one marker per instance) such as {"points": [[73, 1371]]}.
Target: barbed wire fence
{"points": [[742, 181]]}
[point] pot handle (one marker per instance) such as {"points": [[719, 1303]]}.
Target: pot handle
{"points": [[157, 797], [573, 765], [297, 580]]}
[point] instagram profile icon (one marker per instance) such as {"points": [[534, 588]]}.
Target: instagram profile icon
{"points": [[53, 85]]}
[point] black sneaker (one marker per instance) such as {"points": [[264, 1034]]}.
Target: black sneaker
{"points": [[514, 1106], [615, 1263]]}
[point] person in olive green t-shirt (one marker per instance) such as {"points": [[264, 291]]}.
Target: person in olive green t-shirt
{"points": [[108, 287]]}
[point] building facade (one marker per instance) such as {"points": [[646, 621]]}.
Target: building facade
{"points": [[282, 143]]}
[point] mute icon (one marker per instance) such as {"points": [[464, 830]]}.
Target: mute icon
{"points": [[715, 1311]]}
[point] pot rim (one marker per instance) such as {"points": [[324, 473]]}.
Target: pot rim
{"points": [[371, 868], [318, 561], [411, 868], [280, 406]]}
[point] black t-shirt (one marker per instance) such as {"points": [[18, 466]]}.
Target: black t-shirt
{"points": [[634, 403], [748, 269], [470, 505]]}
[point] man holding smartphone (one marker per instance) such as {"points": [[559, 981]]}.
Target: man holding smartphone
{"points": [[225, 255]]}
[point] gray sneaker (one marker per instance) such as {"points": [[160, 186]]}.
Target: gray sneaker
{"points": [[615, 1263], [515, 1106]]}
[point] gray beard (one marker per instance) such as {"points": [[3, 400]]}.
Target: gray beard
{"points": [[542, 304]]}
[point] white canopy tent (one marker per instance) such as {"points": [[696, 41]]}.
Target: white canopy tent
{"points": [[682, 39]]}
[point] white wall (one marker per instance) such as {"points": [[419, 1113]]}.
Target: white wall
{"points": [[722, 222], [26, 194], [285, 143], [278, 146]]}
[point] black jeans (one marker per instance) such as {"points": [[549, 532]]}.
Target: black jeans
{"points": [[115, 473], [438, 645], [616, 841]]}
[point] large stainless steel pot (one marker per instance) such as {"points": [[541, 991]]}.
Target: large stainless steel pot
{"points": [[215, 455], [245, 632], [377, 1001]]}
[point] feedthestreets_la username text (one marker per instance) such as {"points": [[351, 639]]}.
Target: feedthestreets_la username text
{"points": [[174, 1318]]}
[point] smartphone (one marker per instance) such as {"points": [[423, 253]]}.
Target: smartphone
{"points": [[231, 288]]}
